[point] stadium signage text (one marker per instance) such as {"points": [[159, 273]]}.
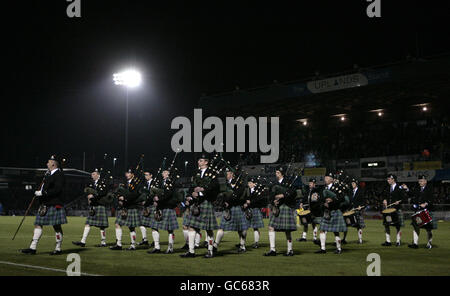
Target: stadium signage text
{"points": [[214, 139], [336, 83]]}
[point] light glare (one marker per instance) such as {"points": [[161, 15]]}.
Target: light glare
{"points": [[129, 78]]}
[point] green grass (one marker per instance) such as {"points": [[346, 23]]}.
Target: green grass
{"points": [[394, 260]]}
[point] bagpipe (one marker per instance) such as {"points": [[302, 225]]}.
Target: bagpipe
{"points": [[100, 194], [341, 189], [261, 190], [216, 166], [163, 188]]}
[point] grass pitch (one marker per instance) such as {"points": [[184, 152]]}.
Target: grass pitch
{"points": [[398, 261]]}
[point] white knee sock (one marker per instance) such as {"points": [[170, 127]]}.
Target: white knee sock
{"points": [[315, 232], [323, 239], [289, 245], [206, 236], [59, 239], [36, 236], [191, 240], [360, 235], [171, 239], [256, 235], [85, 233], [399, 236], [430, 236], [210, 242], [198, 237], [272, 240], [338, 242], [133, 238], [304, 235], [219, 237], [388, 237], [119, 236], [103, 236], [155, 235], [242, 236], [415, 238], [186, 235], [144, 232]]}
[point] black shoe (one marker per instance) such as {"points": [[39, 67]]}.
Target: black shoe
{"points": [[429, 246], [413, 246], [237, 245], [344, 242], [143, 243], [187, 255], [397, 244], [270, 253], [209, 255], [152, 245], [214, 250], [131, 248], [316, 242], [185, 247], [154, 251], [56, 252], [320, 251], [28, 251], [301, 239], [101, 246], [255, 246], [290, 253], [80, 244], [116, 248], [386, 244], [168, 251], [338, 251], [241, 250]]}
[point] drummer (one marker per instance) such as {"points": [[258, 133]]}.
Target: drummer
{"points": [[422, 198], [394, 195], [357, 203], [311, 201]]}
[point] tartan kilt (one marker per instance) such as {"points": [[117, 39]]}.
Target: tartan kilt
{"points": [[150, 220], [401, 220], [335, 224], [54, 216], [359, 220], [100, 219], [169, 220], [316, 220], [432, 225], [257, 219], [238, 222], [133, 219], [285, 220], [185, 215], [206, 220]]}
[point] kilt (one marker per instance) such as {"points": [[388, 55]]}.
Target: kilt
{"points": [[432, 225], [359, 220], [54, 216], [316, 220], [150, 220], [206, 220], [285, 220], [133, 219], [401, 220], [238, 222], [100, 219], [335, 224], [257, 219], [185, 215], [169, 220]]}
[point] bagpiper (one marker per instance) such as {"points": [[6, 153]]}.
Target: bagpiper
{"points": [[357, 204], [51, 210], [256, 198], [97, 194], [422, 199], [147, 217], [164, 204], [282, 216], [333, 197], [311, 201], [394, 196], [128, 215], [201, 213], [233, 218]]}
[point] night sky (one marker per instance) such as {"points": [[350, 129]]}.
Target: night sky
{"points": [[58, 94]]}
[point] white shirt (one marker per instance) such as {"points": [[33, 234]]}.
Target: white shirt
{"points": [[53, 171], [203, 172], [393, 186], [252, 189], [148, 182], [329, 185], [281, 180]]}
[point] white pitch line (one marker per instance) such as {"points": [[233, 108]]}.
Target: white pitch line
{"points": [[44, 268]]}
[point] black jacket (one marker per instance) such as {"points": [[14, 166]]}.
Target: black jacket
{"points": [[53, 189], [257, 201], [208, 183], [102, 190], [358, 199], [397, 194], [418, 196], [314, 203], [290, 194]]}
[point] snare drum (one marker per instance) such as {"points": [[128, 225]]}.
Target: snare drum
{"points": [[350, 218], [305, 217], [421, 218], [390, 216]]}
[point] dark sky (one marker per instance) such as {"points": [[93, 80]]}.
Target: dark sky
{"points": [[58, 95]]}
